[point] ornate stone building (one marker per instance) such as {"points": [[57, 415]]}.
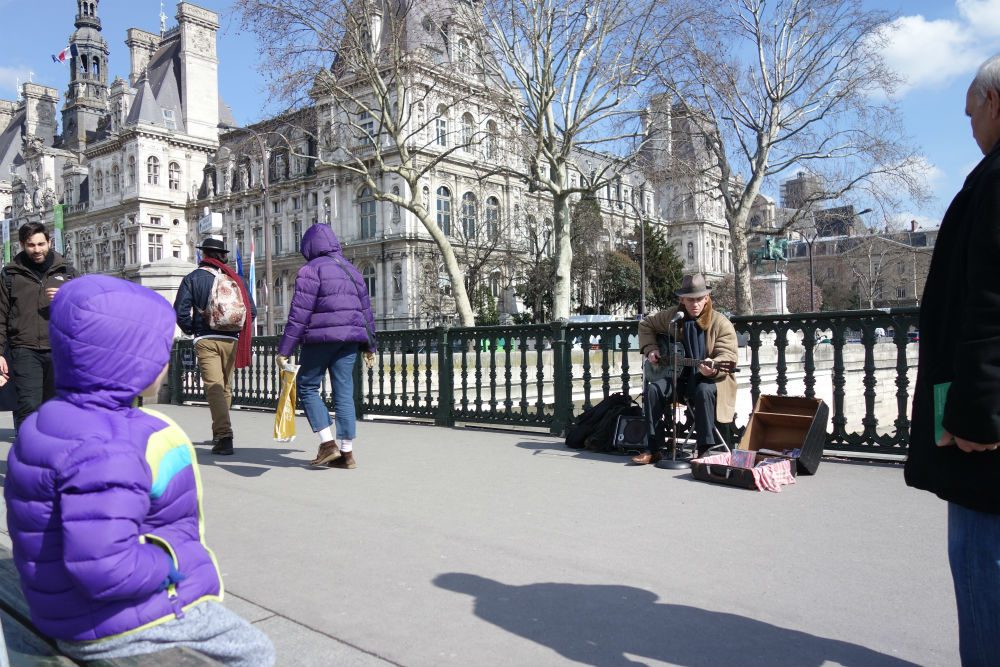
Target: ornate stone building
{"points": [[140, 161], [131, 154]]}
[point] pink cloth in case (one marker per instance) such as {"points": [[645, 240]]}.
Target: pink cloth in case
{"points": [[770, 477]]}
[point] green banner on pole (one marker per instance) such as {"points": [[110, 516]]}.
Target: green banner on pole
{"points": [[57, 224]]}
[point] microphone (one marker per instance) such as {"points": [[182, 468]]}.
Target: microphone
{"points": [[678, 316]]}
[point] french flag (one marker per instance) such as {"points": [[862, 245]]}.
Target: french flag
{"points": [[60, 57]]}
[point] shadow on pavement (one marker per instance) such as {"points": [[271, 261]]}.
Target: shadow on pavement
{"points": [[543, 447], [604, 625], [261, 459]]}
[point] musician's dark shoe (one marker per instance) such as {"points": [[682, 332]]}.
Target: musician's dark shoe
{"points": [[646, 458]]}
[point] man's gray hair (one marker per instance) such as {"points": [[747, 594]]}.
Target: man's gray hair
{"points": [[987, 77]]}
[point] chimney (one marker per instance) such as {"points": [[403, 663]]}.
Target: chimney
{"points": [[913, 225], [7, 109]]}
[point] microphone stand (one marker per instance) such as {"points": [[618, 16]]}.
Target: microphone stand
{"points": [[673, 463]]}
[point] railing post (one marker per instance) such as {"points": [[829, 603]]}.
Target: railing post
{"points": [[562, 379], [176, 373], [446, 380], [359, 374]]}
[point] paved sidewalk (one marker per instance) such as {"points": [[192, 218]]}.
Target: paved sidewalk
{"points": [[466, 548]]}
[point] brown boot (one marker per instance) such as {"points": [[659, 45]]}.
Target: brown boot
{"points": [[646, 458], [346, 461], [328, 451]]}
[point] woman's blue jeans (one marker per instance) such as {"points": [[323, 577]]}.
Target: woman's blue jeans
{"points": [[337, 359], [974, 554]]}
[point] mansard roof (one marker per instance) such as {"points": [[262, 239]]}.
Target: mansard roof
{"points": [[159, 90], [145, 108], [10, 143]]}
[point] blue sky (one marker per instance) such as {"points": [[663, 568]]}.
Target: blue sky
{"points": [[936, 46]]}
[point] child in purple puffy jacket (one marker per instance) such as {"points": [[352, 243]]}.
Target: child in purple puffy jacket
{"points": [[104, 499]]}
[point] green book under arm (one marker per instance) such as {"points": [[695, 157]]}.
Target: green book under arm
{"points": [[940, 398]]}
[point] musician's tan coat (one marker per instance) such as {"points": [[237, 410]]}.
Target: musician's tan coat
{"points": [[720, 341]]}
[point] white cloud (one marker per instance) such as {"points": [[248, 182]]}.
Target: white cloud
{"points": [[930, 53], [982, 16], [9, 77]]}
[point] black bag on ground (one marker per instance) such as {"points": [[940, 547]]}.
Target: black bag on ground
{"points": [[591, 423], [602, 438]]}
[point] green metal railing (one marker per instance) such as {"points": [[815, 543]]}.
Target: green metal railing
{"points": [[542, 375]]}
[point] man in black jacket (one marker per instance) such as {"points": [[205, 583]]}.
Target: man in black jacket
{"points": [[216, 350], [956, 402], [27, 286]]}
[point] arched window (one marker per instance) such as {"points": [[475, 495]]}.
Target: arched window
{"points": [[492, 141], [174, 175], [368, 217], [279, 292], [153, 170], [70, 192], [116, 179], [690, 251], [469, 215], [444, 209], [441, 126], [96, 67], [462, 54], [468, 131], [492, 218], [130, 174], [495, 282], [99, 183], [368, 274]]}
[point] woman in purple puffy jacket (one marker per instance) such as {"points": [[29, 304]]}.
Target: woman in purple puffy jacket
{"points": [[331, 317]]}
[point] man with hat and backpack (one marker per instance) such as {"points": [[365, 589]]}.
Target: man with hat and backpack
{"points": [[214, 306]]}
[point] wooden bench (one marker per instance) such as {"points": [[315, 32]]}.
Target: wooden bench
{"points": [[26, 647]]}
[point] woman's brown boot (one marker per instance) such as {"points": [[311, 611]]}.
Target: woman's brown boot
{"points": [[346, 461], [328, 452]]}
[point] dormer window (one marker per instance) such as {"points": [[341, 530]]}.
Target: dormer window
{"points": [[169, 120]]}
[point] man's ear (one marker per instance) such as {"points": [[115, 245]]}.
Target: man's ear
{"points": [[993, 103]]}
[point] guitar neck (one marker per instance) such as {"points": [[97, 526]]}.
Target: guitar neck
{"points": [[685, 362]]}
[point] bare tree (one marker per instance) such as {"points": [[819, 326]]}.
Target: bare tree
{"points": [[781, 85], [572, 74], [879, 265], [388, 84]]}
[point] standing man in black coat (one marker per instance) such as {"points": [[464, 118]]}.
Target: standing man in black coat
{"points": [[27, 286], [956, 403]]}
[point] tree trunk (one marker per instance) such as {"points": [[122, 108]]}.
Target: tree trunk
{"points": [[462, 304], [741, 264], [563, 290]]}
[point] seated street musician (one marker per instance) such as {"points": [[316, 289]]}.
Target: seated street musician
{"points": [[704, 376]]}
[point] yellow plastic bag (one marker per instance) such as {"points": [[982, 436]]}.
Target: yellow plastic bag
{"points": [[284, 416]]}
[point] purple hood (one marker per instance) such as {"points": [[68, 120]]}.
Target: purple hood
{"points": [[102, 497], [105, 352], [331, 303]]}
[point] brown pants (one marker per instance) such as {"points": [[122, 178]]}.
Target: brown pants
{"points": [[216, 359]]}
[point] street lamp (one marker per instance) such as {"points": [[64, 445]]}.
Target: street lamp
{"points": [[642, 258], [810, 241], [268, 266]]}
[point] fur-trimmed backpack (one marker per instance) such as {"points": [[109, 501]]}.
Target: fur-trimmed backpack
{"points": [[225, 310]]}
